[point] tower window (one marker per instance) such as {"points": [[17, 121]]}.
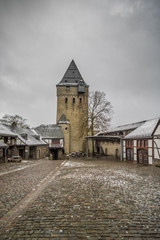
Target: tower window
{"points": [[74, 100], [80, 100], [66, 100]]}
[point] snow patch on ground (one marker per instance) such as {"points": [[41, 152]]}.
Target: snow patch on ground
{"points": [[112, 178], [76, 164]]}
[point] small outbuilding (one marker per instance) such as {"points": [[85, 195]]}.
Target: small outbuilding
{"points": [[103, 145]]}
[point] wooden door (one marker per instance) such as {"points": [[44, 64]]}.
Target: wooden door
{"points": [[130, 154], [142, 156]]}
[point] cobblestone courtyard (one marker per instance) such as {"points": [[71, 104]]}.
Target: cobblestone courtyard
{"points": [[79, 199]]}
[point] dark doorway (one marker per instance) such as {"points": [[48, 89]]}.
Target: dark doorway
{"points": [[21, 153], [117, 152], [98, 149], [54, 153]]}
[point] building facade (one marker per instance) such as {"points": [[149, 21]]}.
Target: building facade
{"points": [[72, 109], [143, 144], [52, 134], [17, 141], [104, 145]]}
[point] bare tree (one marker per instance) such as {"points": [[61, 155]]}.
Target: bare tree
{"points": [[96, 114], [99, 112], [16, 119]]}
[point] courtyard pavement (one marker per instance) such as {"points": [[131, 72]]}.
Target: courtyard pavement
{"points": [[80, 199]]}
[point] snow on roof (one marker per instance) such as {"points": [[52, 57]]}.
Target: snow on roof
{"points": [[145, 130], [30, 140], [126, 127], [5, 131]]}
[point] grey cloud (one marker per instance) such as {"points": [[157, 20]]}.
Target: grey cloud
{"points": [[114, 43]]}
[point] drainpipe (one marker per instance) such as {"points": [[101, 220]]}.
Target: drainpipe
{"points": [[121, 147]]}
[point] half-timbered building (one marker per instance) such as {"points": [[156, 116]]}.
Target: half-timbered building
{"points": [[143, 144]]}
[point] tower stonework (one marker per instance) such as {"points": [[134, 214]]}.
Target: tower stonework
{"points": [[72, 109]]}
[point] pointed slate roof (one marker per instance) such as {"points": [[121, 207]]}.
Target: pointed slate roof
{"points": [[72, 76], [63, 119]]}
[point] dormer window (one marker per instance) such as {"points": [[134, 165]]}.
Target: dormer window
{"points": [[66, 81]]}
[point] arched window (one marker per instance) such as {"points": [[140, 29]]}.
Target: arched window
{"points": [[74, 100], [66, 100]]}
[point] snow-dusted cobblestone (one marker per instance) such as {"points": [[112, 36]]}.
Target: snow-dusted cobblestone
{"points": [[103, 199]]}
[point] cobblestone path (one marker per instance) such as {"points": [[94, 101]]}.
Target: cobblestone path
{"points": [[94, 200], [17, 180]]}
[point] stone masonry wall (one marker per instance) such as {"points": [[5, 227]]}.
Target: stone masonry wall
{"points": [[75, 112]]}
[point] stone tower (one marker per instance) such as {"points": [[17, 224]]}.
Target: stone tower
{"points": [[72, 109]]}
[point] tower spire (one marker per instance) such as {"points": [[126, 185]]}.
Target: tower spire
{"points": [[72, 76]]}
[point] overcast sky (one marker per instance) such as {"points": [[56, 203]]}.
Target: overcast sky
{"points": [[115, 44]]}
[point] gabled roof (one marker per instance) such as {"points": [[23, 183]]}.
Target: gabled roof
{"points": [[145, 130], [49, 131], [31, 140], [63, 119], [72, 76], [5, 131], [126, 127]]}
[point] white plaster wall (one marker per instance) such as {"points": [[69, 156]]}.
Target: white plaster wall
{"points": [[135, 157], [156, 155], [150, 151], [124, 149], [156, 144], [157, 130], [124, 154], [124, 143], [150, 160], [150, 143], [135, 150], [19, 142], [135, 143], [157, 141]]}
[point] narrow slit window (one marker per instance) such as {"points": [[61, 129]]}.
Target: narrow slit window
{"points": [[66, 100], [80, 100], [74, 100]]}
